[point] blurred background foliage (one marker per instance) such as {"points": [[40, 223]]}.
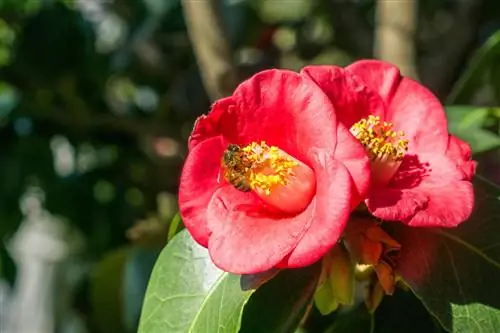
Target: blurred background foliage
{"points": [[98, 97]]}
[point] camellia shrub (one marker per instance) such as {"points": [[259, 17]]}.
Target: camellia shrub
{"points": [[336, 192]]}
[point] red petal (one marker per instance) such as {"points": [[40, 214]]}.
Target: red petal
{"points": [[248, 239], [298, 192], [460, 152], [207, 126], [427, 191], [350, 97], [449, 205], [395, 204], [353, 156], [411, 107], [331, 211], [283, 108], [198, 183], [379, 76], [352, 100], [417, 112]]}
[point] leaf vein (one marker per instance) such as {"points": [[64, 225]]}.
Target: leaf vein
{"points": [[470, 247]]}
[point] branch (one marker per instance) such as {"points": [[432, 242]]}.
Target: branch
{"points": [[210, 46], [395, 34]]}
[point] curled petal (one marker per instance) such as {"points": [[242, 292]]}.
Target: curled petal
{"points": [[208, 126], [331, 211], [351, 98], [379, 76], [282, 108], [411, 107], [427, 191], [461, 153], [198, 183], [417, 112], [449, 206], [246, 237], [353, 156]]}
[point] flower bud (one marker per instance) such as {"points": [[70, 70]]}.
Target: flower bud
{"points": [[337, 282]]}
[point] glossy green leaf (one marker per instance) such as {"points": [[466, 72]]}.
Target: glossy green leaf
{"points": [[106, 291], [401, 312], [188, 293], [175, 226], [280, 304], [455, 272], [476, 70], [467, 123], [354, 319]]}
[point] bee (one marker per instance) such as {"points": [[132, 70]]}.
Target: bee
{"points": [[235, 165]]}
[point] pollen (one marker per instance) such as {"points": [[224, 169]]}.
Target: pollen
{"points": [[269, 166], [281, 181], [380, 140]]}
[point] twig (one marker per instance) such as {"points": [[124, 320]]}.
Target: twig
{"points": [[395, 34], [211, 46]]}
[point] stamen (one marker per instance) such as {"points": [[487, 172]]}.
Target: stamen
{"points": [[269, 166], [385, 147], [276, 177]]}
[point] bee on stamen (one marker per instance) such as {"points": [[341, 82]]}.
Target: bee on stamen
{"points": [[235, 167]]}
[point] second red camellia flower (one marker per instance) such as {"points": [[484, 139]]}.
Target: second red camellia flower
{"points": [[271, 175], [421, 175]]}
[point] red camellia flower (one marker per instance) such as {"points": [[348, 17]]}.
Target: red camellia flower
{"points": [[420, 173], [271, 177]]}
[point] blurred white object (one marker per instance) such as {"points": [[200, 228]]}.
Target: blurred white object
{"points": [[4, 295], [39, 248]]}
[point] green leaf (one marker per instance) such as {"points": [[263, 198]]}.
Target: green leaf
{"points": [[455, 272], [188, 293], [174, 227], [106, 291], [401, 312], [476, 70], [280, 304], [354, 319], [467, 123], [463, 117]]}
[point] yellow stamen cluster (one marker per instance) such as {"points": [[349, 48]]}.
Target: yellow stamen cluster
{"points": [[380, 141], [269, 166]]}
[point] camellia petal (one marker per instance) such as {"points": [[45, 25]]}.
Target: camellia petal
{"points": [[461, 153], [378, 76], [411, 107], [246, 237], [419, 114], [352, 155], [331, 212], [282, 108], [351, 98], [428, 191], [197, 185]]}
